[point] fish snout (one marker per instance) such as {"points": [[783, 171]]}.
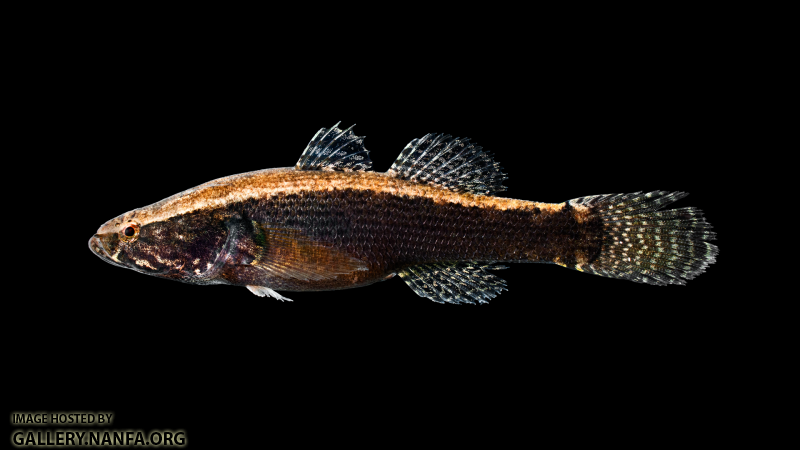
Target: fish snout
{"points": [[99, 244], [109, 227], [96, 244]]}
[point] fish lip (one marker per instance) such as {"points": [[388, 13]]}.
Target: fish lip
{"points": [[97, 247]]}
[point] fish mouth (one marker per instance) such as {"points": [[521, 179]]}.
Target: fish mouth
{"points": [[97, 247]]}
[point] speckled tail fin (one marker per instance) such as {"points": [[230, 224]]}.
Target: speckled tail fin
{"points": [[461, 282], [646, 246], [455, 164]]}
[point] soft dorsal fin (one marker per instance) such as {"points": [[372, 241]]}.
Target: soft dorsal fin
{"points": [[462, 282], [335, 149], [455, 164]]}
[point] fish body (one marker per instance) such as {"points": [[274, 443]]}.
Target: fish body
{"points": [[330, 223]]}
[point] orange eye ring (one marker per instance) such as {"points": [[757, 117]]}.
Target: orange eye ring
{"points": [[129, 232]]}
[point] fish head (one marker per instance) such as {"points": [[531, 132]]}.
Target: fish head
{"points": [[152, 248]]}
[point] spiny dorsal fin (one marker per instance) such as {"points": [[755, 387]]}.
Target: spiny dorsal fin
{"points": [[455, 164], [335, 149], [462, 282]]}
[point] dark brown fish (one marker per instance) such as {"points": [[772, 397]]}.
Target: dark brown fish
{"points": [[331, 223]]}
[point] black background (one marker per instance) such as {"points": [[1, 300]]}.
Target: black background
{"points": [[114, 121]]}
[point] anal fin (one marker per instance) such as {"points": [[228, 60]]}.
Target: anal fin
{"points": [[461, 282]]}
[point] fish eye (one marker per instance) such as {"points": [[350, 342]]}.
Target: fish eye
{"points": [[130, 232]]}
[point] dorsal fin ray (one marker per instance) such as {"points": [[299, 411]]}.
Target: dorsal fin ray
{"points": [[335, 149], [455, 164]]}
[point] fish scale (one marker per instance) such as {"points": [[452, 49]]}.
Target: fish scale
{"points": [[433, 218]]}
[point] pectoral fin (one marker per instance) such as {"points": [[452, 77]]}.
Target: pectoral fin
{"points": [[289, 253]]}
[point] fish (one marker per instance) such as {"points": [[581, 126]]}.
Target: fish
{"points": [[434, 218]]}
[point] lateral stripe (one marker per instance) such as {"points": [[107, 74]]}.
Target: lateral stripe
{"points": [[270, 182]]}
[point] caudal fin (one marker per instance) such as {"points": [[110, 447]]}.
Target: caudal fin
{"points": [[642, 244]]}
